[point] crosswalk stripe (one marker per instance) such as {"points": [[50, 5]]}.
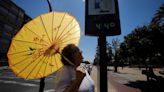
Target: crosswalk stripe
{"points": [[13, 77], [19, 83], [9, 77], [50, 90]]}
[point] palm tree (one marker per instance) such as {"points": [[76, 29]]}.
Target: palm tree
{"points": [[159, 16]]}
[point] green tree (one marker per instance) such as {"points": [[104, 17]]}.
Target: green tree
{"points": [[144, 44], [109, 55], [115, 46], [97, 57], [158, 18]]}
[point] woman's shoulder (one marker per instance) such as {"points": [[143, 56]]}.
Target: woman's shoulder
{"points": [[66, 69], [65, 72]]}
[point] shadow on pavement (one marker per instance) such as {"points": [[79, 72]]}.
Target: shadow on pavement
{"points": [[148, 86]]}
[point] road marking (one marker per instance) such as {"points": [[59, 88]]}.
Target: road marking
{"points": [[15, 77], [19, 83], [9, 77], [50, 90]]}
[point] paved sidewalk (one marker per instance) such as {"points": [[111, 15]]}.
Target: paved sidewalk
{"points": [[136, 74], [94, 76], [117, 81]]}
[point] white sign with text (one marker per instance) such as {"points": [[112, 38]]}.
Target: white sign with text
{"points": [[98, 7]]}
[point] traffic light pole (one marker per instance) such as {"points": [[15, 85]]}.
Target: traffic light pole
{"points": [[103, 64]]}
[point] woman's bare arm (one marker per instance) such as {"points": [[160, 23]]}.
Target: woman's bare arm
{"points": [[74, 87]]}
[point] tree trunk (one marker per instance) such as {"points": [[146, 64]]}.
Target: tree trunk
{"points": [[115, 68]]}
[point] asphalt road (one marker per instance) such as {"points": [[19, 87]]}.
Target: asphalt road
{"points": [[125, 80], [11, 83]]}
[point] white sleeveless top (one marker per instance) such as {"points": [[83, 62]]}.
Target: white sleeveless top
{"points": [[66, 75]]}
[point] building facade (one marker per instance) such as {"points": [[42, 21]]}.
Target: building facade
{"points": [[12, 18]]}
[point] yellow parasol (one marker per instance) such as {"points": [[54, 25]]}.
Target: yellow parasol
{"points": [[34, 51]]}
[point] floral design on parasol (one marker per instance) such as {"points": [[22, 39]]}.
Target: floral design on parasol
{"points": [[35, 50]]}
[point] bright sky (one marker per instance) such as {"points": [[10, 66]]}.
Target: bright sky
{"points": [[133, 13]]}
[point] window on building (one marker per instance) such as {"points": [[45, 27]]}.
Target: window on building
{"points": [[3, 11]]}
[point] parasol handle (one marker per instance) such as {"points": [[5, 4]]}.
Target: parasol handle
{"points": [[67, 59], [54, 50]]}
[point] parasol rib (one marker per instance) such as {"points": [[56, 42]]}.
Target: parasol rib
{"points": [[30, 42], [36, 34], [57, 61], [51, 66], [60, 24], [66, 36], [69, 40], [68, 32], [39, 68], [65, 28], [46, 67], [45, 29], [20, 61], [19, 52], [34, 68], [52, 26], [27, 66]]}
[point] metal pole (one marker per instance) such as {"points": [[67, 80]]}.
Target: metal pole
{"points": [[103, 63], [50, 8], [42, 84]]}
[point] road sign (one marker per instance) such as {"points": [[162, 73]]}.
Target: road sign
{"points": [[102, 16]]}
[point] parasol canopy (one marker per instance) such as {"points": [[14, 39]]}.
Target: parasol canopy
{"points": [[35, 50]]}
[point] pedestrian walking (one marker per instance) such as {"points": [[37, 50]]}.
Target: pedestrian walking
{"points": [[72, 77]]}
